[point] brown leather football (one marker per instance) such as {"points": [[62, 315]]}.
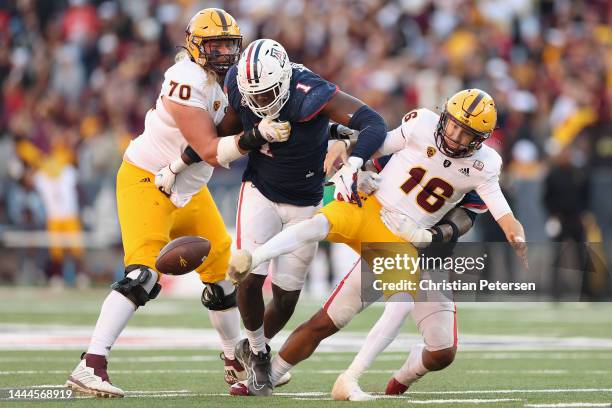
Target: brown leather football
{"points": [[182, 255]]}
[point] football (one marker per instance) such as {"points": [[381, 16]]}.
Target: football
{"points": [[182, 255]]}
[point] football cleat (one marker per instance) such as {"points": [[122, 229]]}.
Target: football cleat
{"points": [[240, 265], [257, 367], [284, 380], [90, 377], [239, 389], [234, 371], [346, 388], [395, 387]]}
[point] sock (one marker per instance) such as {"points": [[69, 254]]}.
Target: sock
{"points": [[382, 333], [257, 340], [279, 367], [413, 368], [227, 324], [267, 340], [115, 313], [292, 238]]}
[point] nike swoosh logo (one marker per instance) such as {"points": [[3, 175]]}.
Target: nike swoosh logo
{"points": [[255, 383]]}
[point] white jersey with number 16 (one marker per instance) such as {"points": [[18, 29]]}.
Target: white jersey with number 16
{"points": [[424, 184]]}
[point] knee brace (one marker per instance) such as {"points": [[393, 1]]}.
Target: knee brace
{"points": [[214, 297], [134, 287]]}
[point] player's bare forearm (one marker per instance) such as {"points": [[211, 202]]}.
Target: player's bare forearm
{"points": [[230, 124], [341, 107], [512, 228], [197, 127], [515, 234]]}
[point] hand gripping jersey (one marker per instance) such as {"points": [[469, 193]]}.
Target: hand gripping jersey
{"points": [[424, 184], [162, 142], [290, 172]]}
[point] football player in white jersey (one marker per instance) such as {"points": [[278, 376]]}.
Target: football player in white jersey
{"points": [[189, 109], [436, 160]]}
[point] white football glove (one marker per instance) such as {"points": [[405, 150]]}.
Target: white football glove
{"points": [[164, 179], [274, 131], [402, 226], [345, 181], [367, 182]]}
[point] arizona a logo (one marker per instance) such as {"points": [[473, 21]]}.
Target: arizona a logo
{"points": [[431, 151]]}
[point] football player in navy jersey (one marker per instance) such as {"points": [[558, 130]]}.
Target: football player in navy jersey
{"points": [[283, 182]]}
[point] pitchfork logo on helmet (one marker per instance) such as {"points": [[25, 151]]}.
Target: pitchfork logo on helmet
{"points": [[264, 76], [474, 111]]}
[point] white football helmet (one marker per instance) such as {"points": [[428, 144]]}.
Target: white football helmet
{"points": [[264, 75]]}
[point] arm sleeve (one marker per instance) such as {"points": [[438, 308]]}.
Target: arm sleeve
{"points": [[372, 132], [394, 142], [491, 194]]}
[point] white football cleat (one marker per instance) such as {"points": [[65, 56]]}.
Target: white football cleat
{"points": [[346, 388], [284, 380], [90, 377], [240, 264]]}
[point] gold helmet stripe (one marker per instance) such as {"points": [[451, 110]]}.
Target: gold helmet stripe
{"points": [[221, 15], [475, 103]]}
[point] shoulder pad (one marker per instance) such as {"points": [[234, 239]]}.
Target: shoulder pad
{"points": [[309, 94], [230, 87], [185, 83]]}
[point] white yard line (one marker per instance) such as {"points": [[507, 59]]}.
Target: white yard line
{"points": [[61, 337], [570, 405], [335, 357], [378, 395]]}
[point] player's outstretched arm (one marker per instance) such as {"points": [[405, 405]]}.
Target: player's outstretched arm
{"points": [[515, 234]]}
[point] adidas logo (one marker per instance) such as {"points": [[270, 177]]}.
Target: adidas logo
{"points": [[465, 171], [145, 180]]}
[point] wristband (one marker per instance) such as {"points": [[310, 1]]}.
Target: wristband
{"points": [[251, 140]]}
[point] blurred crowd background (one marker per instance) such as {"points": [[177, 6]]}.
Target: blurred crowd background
{"points": [[78, 76]]}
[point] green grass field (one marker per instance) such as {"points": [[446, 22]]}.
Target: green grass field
{"points": [[515, 355]]}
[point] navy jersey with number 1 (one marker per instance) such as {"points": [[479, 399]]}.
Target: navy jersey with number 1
{"points": [[290, 172]]}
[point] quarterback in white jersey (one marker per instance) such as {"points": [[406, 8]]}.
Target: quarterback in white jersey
{"points": [[424, 184], [436, 161]]}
